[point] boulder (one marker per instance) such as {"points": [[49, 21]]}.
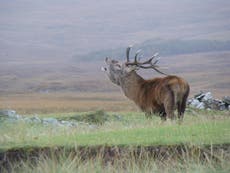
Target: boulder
{"points": [[199, 96], [36, 119], [226, 100], [193, 102], [204, 100], [207, 96], [48, 121], [8, 113], [196, 103]]}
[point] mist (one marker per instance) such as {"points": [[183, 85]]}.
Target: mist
{"points": [[60, 29]]}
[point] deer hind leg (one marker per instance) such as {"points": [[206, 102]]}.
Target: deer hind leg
{"points": [[180, 112], [148, 115], [169, 105], [163, 116], [181, 107]]}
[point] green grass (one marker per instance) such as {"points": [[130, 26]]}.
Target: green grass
{"points": [[128, 164], [208, 133], [120, 129], [131, 129]]}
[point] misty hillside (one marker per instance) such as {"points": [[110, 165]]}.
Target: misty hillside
{"points": [[60, 45], [164, 47], [60, 29]]}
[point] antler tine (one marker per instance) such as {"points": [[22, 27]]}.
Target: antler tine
{"points": [[137, 53], [156, 61], [152, 64], [146, 64], [127, 52], [149, 61]]}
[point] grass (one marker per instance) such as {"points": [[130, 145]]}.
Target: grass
{"points": [[129, 164], [129, 129], [167, 135], [65, 102]]}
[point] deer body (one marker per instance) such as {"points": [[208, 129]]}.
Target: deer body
{"points": [[157, 95]]}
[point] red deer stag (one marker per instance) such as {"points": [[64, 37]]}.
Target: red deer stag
{"points": [[157, 95]]}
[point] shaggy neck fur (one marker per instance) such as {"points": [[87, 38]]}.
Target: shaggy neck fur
{"points": [[131, 85]]}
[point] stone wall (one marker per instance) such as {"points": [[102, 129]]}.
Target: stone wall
{"points": [[205, 100]]}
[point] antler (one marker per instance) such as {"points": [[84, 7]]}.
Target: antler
{"points": [[146, 64], [127, 52]]}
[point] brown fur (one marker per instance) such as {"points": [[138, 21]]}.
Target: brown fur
{"points": [[158, 95]]}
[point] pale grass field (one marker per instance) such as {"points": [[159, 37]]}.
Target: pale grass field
{"points": [[66, 102]]}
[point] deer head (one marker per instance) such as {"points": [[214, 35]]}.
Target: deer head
{"points": [[118, 71]]}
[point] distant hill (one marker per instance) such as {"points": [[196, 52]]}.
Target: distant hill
{"points": [[164, 47], [59, 29]]}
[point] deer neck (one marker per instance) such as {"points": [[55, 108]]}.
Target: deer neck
{"points": [[131, 85]]}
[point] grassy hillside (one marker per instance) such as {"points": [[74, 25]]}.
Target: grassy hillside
{"points": [[59, 87], [125, 142], [129, 129], [164, 47]]}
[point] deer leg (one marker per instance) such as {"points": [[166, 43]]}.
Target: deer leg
{"points": [[182, 109], [179, 109], [148, 115], [163, 116], [180, 112], [182, 106], [169, 105]]}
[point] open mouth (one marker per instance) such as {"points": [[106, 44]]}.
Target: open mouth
{"points": [[103, 69]]}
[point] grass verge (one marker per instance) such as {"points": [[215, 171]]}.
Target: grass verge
{"points": [[131, 129], [123, 142]]}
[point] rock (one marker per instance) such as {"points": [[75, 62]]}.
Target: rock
{"points": [[207, 96], [8, 113], [204, 100], [194, 102], [220, 104], [199, 96], [222, 107], [36, 119], [12, 116], [200, 105], [27, 120], [226, 100], [203, 96], [52, 121], [68, 123], [189, 101], [215, 104], [197, 104]]}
